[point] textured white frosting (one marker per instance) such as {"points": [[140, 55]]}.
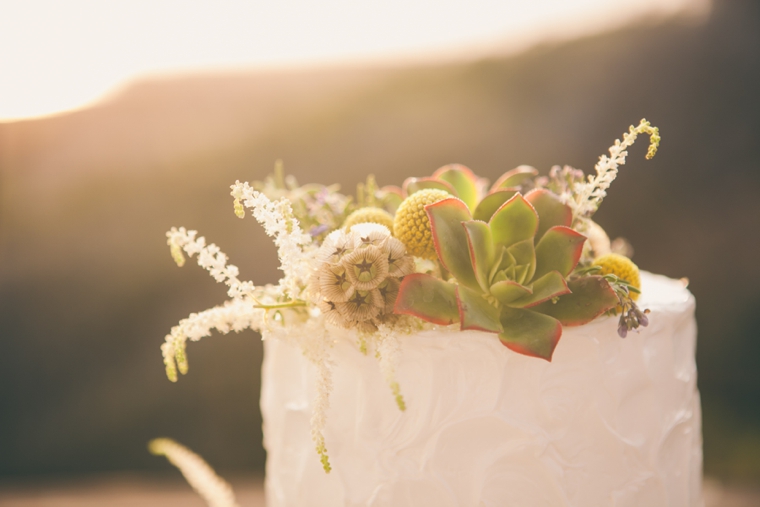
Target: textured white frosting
{"points": [[609, 422]]}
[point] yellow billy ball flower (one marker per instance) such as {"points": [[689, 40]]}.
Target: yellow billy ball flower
{"points": [[412, 225], [369, 215], [621, 266]]}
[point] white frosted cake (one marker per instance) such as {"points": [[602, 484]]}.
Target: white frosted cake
{"points": [[608, 422], [454, 343]]}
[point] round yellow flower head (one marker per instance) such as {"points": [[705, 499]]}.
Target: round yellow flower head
{"points": [[412, 225], [369, 215], [621, 266]]}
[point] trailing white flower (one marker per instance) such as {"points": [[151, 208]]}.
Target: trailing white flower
{"points": [[587, 196], [234, 315], [388, 350], [210, 257], [214, 490], [314, 341]]}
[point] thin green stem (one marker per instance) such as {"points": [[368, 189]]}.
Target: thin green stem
{"points": [[291, 304]]}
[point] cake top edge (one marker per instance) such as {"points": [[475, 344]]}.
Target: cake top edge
{"points": [[662, 292]]}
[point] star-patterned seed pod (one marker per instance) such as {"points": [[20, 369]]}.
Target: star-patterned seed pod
{"points": [[370, 234], [389, 290], [331, 312], [358, 276], [366, 267], [336, 244], [399, 264], [363, 305], [334, 283]]}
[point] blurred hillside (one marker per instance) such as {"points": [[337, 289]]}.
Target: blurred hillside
{"points": [[88, 289]]}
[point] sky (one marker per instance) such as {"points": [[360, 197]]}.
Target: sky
{"points": [[59, 55]]}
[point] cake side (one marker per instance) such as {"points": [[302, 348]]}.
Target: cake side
{"points": [[609, 421]]}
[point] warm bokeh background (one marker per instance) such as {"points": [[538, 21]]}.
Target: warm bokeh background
{"points": [[88, 289]]}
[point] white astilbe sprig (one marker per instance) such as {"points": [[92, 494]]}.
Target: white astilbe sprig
{"points": [[214, 490], [587, 196], [234, 315], [294, 247], [315, 342], [210, 258], [388, 352]]}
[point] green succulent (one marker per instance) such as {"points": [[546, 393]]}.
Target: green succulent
{"points": [[511, 268]]}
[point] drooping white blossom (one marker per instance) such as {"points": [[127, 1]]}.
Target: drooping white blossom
{"points": [[315, 343], [388, 346]]}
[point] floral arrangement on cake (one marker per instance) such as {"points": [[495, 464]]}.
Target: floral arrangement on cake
{"points": [[519, 259]]}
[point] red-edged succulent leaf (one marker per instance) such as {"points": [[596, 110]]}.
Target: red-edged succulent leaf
{"points": [[530, 333], [549, 286], [477, 313], [524, 254], [559, 250], [551, 211], [428, 298], [391, 196], [507, 291], [463, 180], [493, 201], [482, 251], [450, 239], [514, 221], [591, 296], [515, 177], [412, 185]]}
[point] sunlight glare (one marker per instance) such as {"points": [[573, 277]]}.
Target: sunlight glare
{"points": [[62, 55]]}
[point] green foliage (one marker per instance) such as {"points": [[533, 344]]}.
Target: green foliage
{"points": [[428, 298]]}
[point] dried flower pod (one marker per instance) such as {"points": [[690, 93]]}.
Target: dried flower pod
{"points": [[366, 267], [357, 279], [334, 283], [366, 234], [336, 244], [363, 305]]}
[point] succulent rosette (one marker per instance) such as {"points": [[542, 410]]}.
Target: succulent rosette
{"points": [[511, 266]]}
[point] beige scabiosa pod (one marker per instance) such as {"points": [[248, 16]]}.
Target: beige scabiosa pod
{"points": [[357, 280], [412, 225]]}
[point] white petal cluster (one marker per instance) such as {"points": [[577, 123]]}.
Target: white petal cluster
{"points": [[212, 488]]}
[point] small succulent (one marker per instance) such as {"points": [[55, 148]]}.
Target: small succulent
{"points": [[512, 270], [358, 277]]}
